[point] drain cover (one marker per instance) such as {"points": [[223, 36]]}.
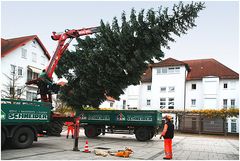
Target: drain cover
{"points": [[102, 148]]}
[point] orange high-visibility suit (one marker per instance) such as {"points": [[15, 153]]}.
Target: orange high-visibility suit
{"points": [[168, 134], [70, 128]]}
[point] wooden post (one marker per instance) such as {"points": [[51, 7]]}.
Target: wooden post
{"points": [[224, 126], [76, 133], [200, 124]]}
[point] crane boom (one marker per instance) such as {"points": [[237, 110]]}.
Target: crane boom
{"points": [[62, 46]]}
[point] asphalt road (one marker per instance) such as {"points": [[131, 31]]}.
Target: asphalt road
{"points": [[185, 147]]}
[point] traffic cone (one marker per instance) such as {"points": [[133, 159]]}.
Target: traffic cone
{"points": [[86, 150]]}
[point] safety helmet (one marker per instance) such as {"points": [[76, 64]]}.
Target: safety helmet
{"points": [[169, 117]]}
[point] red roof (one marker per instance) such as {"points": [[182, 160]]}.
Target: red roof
{"points": [[8, 45], [197, 69], [209, 67], [168, 62]]}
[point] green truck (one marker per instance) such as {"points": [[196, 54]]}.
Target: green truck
{"points": [[22, 121], [143, 123]]}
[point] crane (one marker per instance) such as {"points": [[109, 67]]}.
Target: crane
{"points": [[44, 81]]}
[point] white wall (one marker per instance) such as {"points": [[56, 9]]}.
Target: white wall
{"points": [[194, 94], [15, 58], [229, 93], [176, 80]]}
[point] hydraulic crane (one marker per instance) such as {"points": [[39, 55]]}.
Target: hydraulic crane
{"points": [[44, 82]]}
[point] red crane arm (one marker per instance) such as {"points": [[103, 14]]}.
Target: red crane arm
{"points": [[62, 46]]}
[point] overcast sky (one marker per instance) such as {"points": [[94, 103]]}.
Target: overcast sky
{"points": [[216, 35]]}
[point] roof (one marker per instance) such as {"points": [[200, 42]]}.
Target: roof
{"points": [[209, 67], [169, 62], [8, 45], [197, 69]]}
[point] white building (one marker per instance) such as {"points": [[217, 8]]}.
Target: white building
{"points": [[179, 85], [27, 57]]}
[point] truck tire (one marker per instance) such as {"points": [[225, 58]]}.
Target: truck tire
{"points": [[22, 138], [90, 131], [54, 128], [3, 138], [142, 134]]}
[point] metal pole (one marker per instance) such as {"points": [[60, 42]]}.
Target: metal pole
{"points": [[76, 133]]}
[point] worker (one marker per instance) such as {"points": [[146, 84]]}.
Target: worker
{"points": [[168, 134], [70, 128], [45, 93]]}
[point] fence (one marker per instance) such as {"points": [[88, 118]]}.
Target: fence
{"points": [[195, 123]]}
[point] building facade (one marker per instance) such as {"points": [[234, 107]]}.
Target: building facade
{"points": [[185, 85], [22, 59]]}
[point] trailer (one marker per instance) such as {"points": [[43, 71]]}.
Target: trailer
{"points": [[145, 124]]}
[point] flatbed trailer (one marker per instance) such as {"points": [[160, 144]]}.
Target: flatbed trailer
{"points": [[143, 123]]}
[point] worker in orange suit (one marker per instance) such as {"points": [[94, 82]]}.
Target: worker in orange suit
{"points": [[168, 134], [70, 128]]}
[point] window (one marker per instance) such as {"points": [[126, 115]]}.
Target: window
{"points": [[43, 60], [225, 103], [170, 70], [124, 104], [163, 89], [177, 70], [233, 126], [13, 69], [225, 85], [194, 86], [12, 91], [170, 103], [111, 104], [164, 70], [31, 96], [148, 102], [31, 75], [24, 53], [34, 43], [20, 71], [149, 87], [18, 91], [34, 57], [162, 103], [232, 103], [171, 89], [193, 102]]}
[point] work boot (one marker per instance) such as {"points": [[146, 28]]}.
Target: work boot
{"points": [[72, 137], [67, 136]]}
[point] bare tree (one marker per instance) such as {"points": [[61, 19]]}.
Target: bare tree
{"points": [[12, 89]]}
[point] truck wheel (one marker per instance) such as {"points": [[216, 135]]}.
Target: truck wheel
{"points": [[142, 134], [22, 138], [3, 138], [54, 128], [90, 131]]}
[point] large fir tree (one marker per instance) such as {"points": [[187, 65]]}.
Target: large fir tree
{"points": [[117, 56]]}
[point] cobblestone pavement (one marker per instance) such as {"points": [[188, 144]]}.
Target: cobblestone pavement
{"points": [[185, 147]]}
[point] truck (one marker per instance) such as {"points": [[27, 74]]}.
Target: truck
{"points": [[21, 121], [145, 124]]}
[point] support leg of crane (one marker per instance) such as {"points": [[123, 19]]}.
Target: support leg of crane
{"points": [[76, 134]]}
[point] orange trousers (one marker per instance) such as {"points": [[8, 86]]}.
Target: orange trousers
{"points": [[70, 128], [168, 148]]}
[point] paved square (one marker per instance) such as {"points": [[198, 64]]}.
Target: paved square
{"points": [[185, 147]]}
